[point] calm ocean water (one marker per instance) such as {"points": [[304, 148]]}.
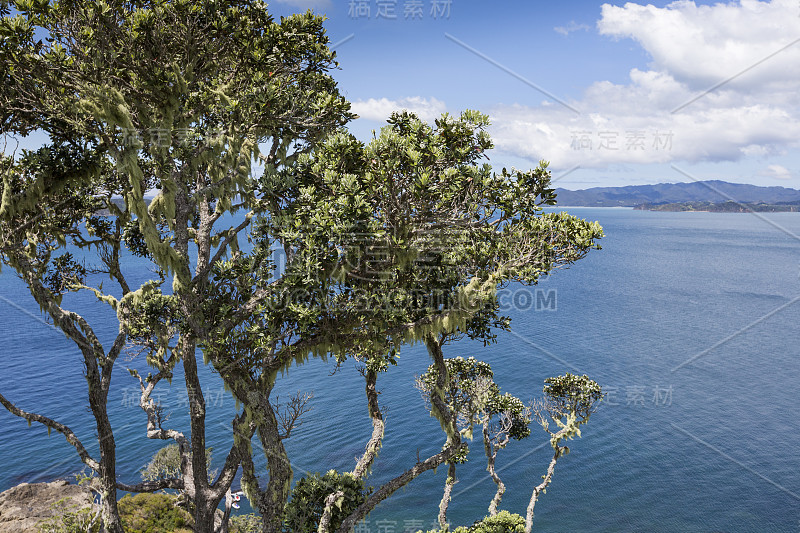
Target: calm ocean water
{"points": [[689, 321]]}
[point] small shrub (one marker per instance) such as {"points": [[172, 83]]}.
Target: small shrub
{"points": [[504, 522], [70, 519], [246, 523], [153, 513], [166, 463]]}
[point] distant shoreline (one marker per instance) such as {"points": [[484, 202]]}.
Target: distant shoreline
{"points": [[721, 207], [694, 196], [592, 206], [681, 208]]}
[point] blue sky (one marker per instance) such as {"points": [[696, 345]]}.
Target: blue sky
{"points": [[597, 89]]}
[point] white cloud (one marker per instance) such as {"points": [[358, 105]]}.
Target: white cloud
{"points": [[645, 120], [778, 172], [704, 45], [633, 124], [380, 108], [571, 27]]}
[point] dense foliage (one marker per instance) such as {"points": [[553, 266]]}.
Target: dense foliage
{"points": [[307, 503], [153, 513], [166, 464], [245, 523], [172, 96], [503, 522]]}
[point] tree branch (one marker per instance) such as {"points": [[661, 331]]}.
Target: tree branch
{"points": [[244, 431], [491, 455], [446, 496], [540, 487], [52, 424], [391, 486], [370, 453], [325, 519], [230, 234], [289, 416], [378, 427]]}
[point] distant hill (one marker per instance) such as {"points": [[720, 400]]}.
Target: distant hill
{"points": [[670, 193]]}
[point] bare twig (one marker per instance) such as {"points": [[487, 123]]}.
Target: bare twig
{"points": [[289, 414]]}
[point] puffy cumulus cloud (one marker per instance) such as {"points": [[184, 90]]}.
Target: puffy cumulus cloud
{"points": [[633, 124], [704, 45], [660, 115], [778, 172], [380, 108]]}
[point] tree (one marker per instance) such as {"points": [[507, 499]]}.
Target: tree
{"points": [[166, 464], [569, 401], [206, 82], [471, 393], [474, 397], [404, 240]]}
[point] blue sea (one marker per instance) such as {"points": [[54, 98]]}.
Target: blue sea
{"points": [[690, 322]]}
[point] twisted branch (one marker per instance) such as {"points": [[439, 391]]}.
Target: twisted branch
{"points": [[52, 424]]}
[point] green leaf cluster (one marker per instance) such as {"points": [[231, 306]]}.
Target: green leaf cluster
{"points": [[153, 513], [473, 396], [502, 522], [571, 393], [166, 463], [304, 509], [245, 523]]}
